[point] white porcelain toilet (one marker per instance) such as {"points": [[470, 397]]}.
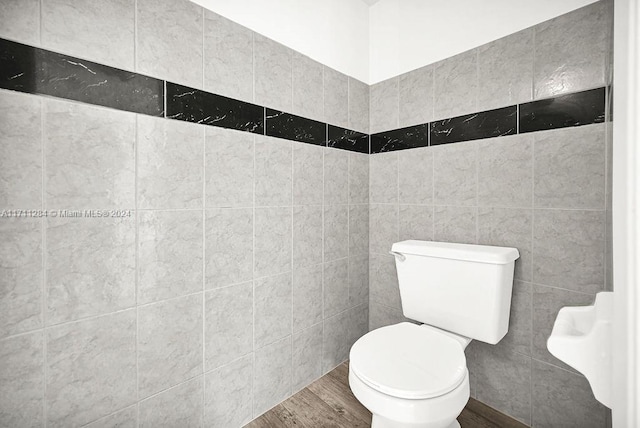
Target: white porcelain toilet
{"points": [[415, 376]]}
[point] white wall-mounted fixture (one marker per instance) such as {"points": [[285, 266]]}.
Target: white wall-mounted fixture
{"points": [[582, 337]]}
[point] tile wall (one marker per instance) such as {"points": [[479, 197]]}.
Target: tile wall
{"points": [[546, 193], [230, 269]]}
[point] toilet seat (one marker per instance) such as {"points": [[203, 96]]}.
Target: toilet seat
{"points": [[407, 361]]}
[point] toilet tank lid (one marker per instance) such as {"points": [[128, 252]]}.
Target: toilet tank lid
{"points": [[449, 250]]}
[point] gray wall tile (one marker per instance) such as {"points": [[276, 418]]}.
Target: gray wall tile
{"points": [[518, 338], [570, 168], [358, 323], [383, 178], [383, 285], [358, 178], [99, 31], [91, 369], [561, 398], [180, 406], [169, 163], [21, 275], [455, 174], [571, 51], [272, 241], [383, 105], [90, 267], [358, 229], [21, 380], [229, 257], [336, 287], [336, 232], [228, 394], [336, 97], [307, 235], [169, 254], [359, 280], [415, 176], [416, 96], [455, 224], [169, 343], [503, 380], [456, 85], [383, 223], [335, 341], [415, 222], [20, 149], [228, 57], [20, 21], [271, 375], [507, 227], [228, 324], [169, 33], [306, 357], [228, 168], [336, 176], [307, 87], [80, 140], [381, 315], [568, 249], [272, 74], [273, 181], [505, 171], [308, 187], [505, 71], [546, 303], [358, 106], [273, 308], [125, 418], [307, 297]]}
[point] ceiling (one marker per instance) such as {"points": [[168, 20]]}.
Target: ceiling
{"points": [[370, 2]]}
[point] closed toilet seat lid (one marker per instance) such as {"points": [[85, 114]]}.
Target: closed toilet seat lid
{"points": [[408, 361]]}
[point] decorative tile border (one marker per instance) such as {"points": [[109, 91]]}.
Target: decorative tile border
{"points": [[486, 124], [295, 128], [400, 139], [194, 105], [37, 71], [341, 138], [33, 70], [579, 108]]}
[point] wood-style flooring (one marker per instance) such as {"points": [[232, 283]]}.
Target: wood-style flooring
{"points": [[328, 402]]}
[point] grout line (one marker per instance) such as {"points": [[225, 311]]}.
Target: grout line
{"points": [[204, 260], [43, 235], [136, 159]]}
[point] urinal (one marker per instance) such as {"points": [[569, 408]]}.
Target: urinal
{"points": [[582, 338]]}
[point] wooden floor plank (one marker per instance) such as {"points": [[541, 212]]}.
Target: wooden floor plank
{"points": [[310, 411], [329, 403], [340, 398], [489, 413]]}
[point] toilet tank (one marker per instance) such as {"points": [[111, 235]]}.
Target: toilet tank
{"points": [[462, 288]]}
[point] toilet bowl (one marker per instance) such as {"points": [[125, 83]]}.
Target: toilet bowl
{"points": [[410, 376], [415, 376]]}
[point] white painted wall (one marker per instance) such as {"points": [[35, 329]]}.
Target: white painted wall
{"points": [[333, 32], [408, 34], [390, 37]]}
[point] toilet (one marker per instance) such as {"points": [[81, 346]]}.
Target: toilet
{"points": [[413, 375]]}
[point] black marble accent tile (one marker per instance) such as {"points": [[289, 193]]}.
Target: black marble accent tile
{"points": [[486, 124], [194, 105], [580, 108], [37, 71], [346, 139], [400, 139], [295, 128]]}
